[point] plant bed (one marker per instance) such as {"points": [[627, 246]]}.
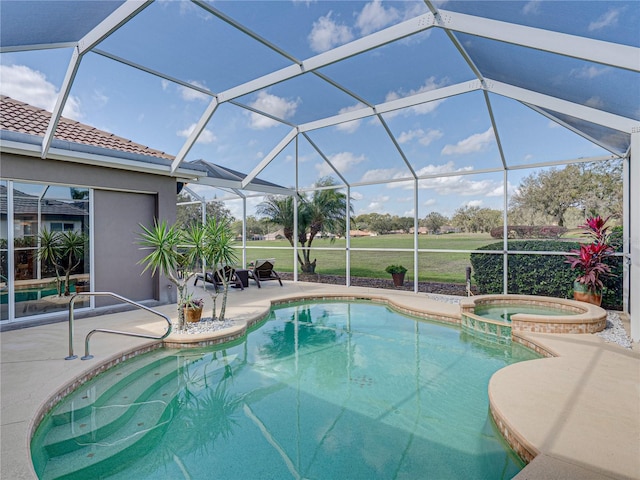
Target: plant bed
{"points": [[424, 287]]}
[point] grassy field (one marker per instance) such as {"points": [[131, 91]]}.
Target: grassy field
{"points": [[436, 267]]}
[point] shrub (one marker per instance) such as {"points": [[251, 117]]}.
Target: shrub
{"points": [[540, 274]]}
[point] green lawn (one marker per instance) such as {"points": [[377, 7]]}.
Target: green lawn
{"points": [[437, 267]]}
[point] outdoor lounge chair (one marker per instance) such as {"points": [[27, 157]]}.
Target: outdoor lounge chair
{"points": [[216, 278], [262, 271]]}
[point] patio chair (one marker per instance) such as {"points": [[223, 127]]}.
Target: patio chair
{"points": [[263, 271], [216, 278]]}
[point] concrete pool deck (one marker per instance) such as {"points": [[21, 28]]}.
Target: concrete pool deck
{"points": [[579, 411]]}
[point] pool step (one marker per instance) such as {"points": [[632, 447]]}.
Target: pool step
{"points": [[115, 452], [81, 403], [108, 414], [113, 432]]}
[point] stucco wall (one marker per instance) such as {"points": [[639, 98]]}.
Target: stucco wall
{"points": [[122, 200]]}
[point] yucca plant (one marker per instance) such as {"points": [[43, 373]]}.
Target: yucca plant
{"points": [[218, 251], [174, 253]]}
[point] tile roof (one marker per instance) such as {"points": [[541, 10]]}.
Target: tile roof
{"points": [[16, 116], [25, 204]]}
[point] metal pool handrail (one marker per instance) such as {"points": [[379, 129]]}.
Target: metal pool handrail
{"points": [[104, 330]]}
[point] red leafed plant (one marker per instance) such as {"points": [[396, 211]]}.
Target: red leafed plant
{"points": [[589, 259]]}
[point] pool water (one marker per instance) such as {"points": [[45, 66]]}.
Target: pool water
{"points": [[319, 391], [505, 312]]}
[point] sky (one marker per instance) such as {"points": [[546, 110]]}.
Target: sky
{"points": [[453, 137]]}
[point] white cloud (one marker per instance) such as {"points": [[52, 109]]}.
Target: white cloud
{"points": [[205, 137], [458, 185], [375, 17], [100, 98], [343, 162], [357, 195], [274, 105], [189, 94], [31, 86], [474, 203], [475, 143], [499, 190], [380, 175], [608, 20], [327, 34], [376, 204], [353, 125], [431, 201], [594, 102], [425, 138], [588, 72], [165, 84], [532, 7], [421, 109]]}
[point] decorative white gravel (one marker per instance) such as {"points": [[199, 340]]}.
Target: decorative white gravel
{"points": [[614, 331], [205, 325]]}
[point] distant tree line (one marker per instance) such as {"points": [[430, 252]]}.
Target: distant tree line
{"points": [[560, 197]]}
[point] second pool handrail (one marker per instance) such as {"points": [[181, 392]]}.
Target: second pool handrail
{"points": [[87, 355]]}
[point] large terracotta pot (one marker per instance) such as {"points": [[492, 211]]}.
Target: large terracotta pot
{"points": [[192, 315], [584, 294]]}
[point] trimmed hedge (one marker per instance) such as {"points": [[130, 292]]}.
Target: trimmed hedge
{"points": [[547, 275]]}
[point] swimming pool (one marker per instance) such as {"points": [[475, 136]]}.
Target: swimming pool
{"points": [[320, 390]]}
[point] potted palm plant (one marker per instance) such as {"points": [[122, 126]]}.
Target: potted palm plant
{"points": [[397, 273], [589, 261]]}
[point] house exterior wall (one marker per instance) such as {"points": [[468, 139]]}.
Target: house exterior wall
{"points": [[122, 201]]}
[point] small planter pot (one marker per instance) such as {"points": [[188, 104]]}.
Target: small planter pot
{"points": [[192, 315], [398, 279], [584, 294]]}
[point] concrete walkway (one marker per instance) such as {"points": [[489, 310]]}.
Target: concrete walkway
{"points": [[579, 411]]}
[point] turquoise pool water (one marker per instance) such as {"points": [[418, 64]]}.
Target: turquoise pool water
{"points": [[319, 391], [504, 312]]}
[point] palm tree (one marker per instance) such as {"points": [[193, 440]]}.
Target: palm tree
{"points": [[49, 251], [323, 212], [71, 249], [64, 250]]}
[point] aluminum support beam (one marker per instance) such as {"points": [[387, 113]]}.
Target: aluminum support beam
{"points": [[406, 102], [110, 24], [634, 235], [588, 114], [272, 154], [377, 39], [119, 17], [193, 137], [606, 53], [72, 70]]}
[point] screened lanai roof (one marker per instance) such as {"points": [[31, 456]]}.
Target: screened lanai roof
{"points": [[366, 92]]}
